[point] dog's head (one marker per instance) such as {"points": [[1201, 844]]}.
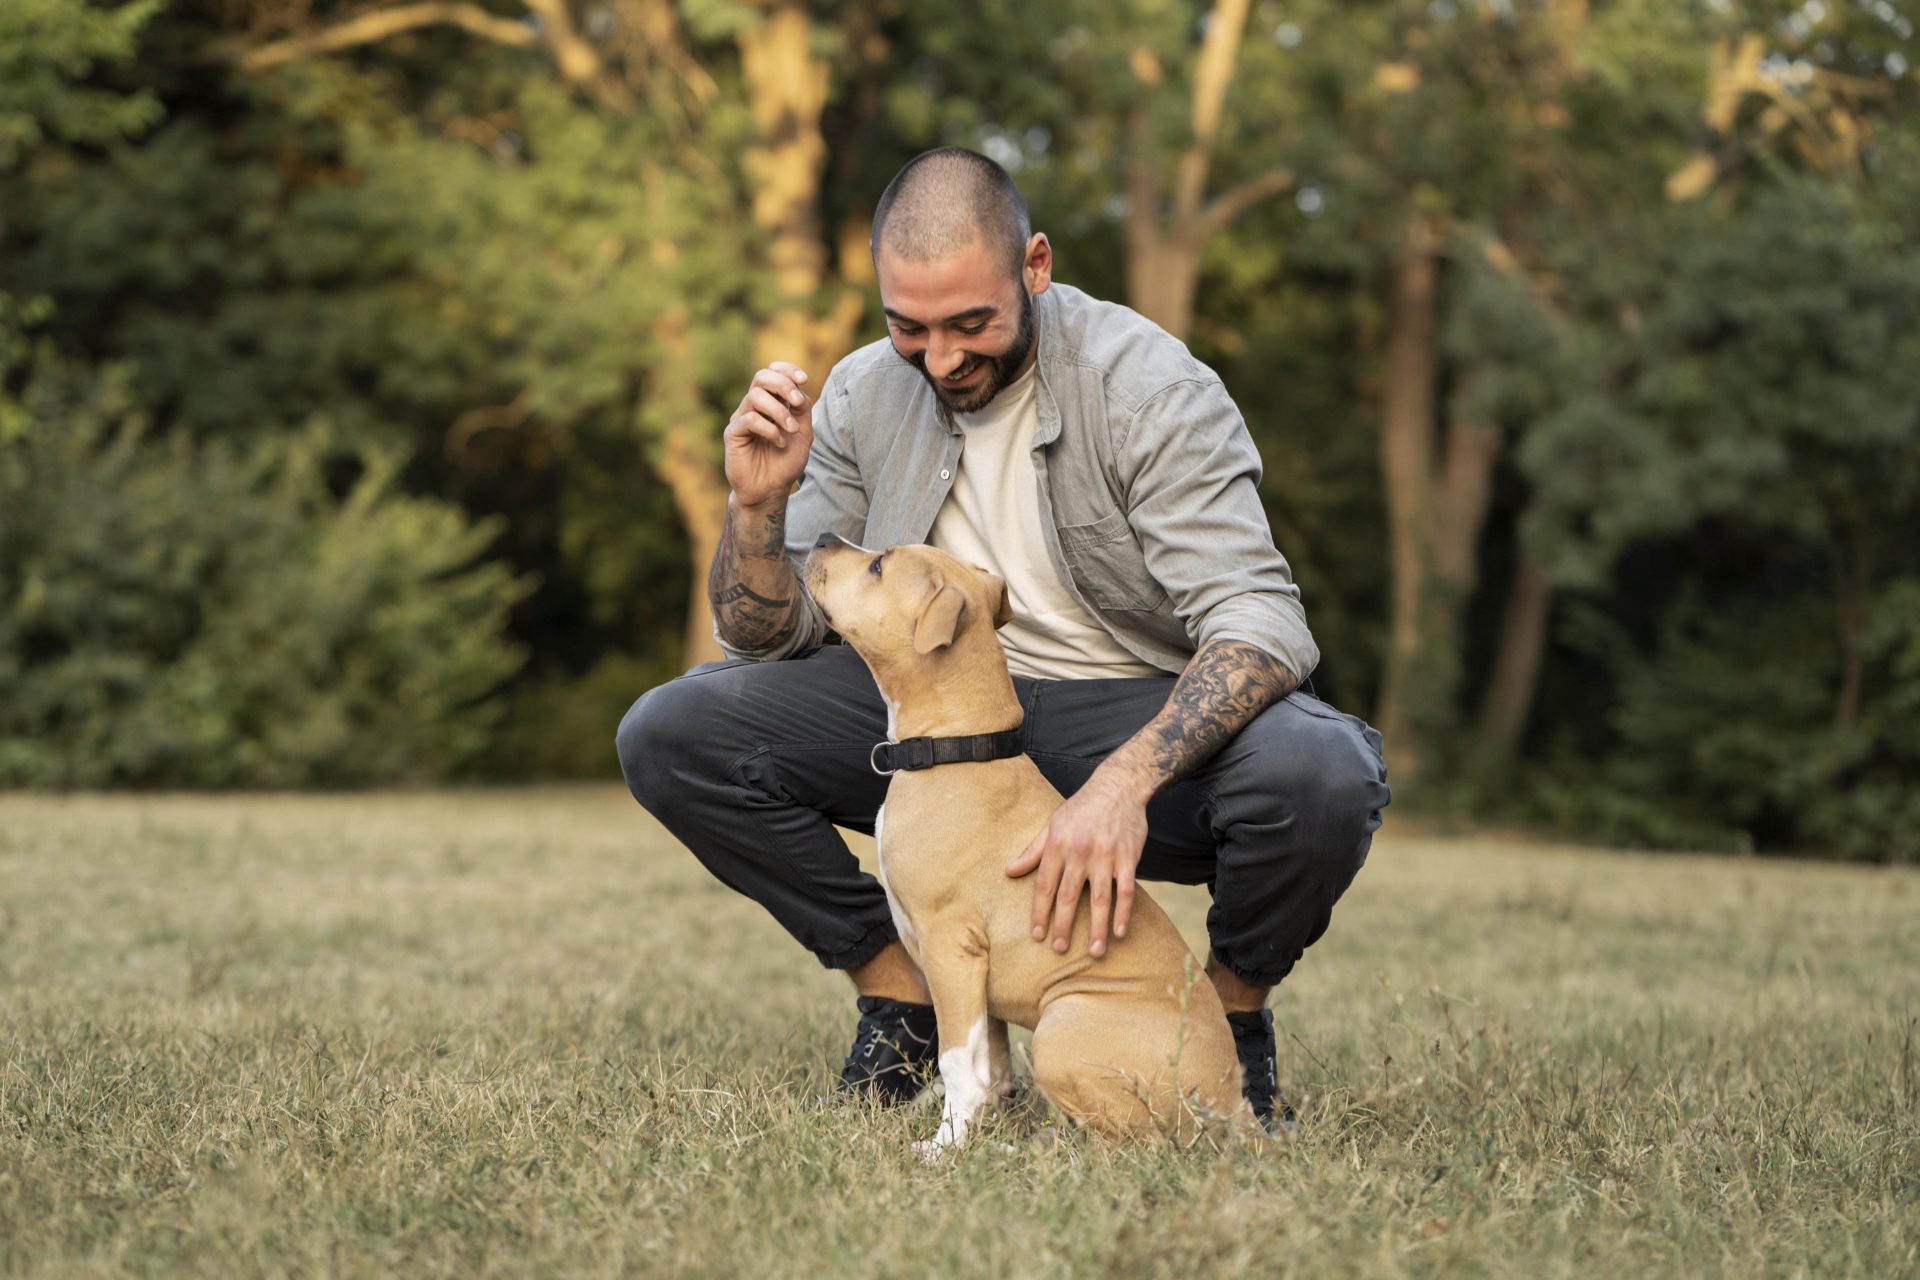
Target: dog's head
{"points": [[904, 603]]}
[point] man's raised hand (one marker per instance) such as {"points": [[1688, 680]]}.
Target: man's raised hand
{"points": [[769, 435]]}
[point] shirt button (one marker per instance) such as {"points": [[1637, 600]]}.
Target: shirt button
{"points": [[945, 474]]}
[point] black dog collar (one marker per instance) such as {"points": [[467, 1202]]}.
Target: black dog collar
{"points": [[924, 753]]}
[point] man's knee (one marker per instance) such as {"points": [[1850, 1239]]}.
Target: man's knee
{"points": [[660, 731], [1322, 771]]}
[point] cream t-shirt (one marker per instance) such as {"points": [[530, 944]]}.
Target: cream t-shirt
{"points": [[991, 517]]}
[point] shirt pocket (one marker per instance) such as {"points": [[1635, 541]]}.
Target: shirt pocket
{"points": [[1107, 565]]}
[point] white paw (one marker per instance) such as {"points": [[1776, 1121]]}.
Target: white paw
{"points": [[934, 1150]]}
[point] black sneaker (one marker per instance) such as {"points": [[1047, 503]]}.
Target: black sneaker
{"points": [[895, 1052], [1260, 1077]]}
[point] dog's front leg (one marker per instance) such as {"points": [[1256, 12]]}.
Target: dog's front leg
{"points": [[974, 1065]]}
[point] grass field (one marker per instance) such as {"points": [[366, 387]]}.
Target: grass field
{"points": [[521, 1033]]}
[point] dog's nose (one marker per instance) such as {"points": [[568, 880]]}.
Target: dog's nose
{"points": [[830, 539]]}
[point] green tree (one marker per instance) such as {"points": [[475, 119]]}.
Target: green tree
{"points": [[1762, 426], [666, 193], [207, 615], [48, 48]]}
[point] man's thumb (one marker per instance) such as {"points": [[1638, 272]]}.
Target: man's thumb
{"points": [[1030, 859]]}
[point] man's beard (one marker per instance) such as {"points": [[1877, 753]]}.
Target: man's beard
{"points": [[1000, 370]]}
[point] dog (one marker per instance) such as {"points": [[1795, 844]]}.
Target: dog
{"points": [[1134, 1042]]}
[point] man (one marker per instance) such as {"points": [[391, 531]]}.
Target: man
{"points": [[1084, 456]]}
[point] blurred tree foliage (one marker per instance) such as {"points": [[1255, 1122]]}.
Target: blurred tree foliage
{"points": [[1735, 490], [268, 609], [1578, 336], [213, 615], [48, 48]]}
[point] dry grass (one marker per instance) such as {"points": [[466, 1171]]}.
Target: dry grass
{"points": [[515, 1033]]}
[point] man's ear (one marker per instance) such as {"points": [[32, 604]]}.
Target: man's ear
{"points": [[940, 620], [1002, 608]]}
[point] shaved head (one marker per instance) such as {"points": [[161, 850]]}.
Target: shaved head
{"points": [[947, 200]]}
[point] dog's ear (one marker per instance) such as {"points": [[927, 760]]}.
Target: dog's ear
{"points": [[1003, 605], [940, 620]]}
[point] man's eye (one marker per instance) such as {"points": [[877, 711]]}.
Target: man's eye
{"points": [[908, 330], [874, 568], [972, 330]]}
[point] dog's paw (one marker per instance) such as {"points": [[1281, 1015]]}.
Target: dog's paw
{"points": [[948, 1139], [933, 1150]]}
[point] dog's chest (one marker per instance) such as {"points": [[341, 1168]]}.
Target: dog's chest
{"points": [[902, 923], [921, 862]]}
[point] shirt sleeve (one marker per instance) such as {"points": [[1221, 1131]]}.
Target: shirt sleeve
{"points": [[831, 499], [1192, 476]]}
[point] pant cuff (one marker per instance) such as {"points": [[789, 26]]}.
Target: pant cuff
{"points": [[870, 944], [1255, 976]]}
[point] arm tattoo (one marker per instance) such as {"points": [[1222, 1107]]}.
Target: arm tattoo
{"points": [[1227, 684], [750, 619], [741, 591]]}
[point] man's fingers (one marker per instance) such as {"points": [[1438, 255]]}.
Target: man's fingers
{"points": [[1065, 903], [1029, 857], [1097, 914], [753, 424], [767, 405], [1043, 887], [1123, 901], [782, 388], [787, 367]]}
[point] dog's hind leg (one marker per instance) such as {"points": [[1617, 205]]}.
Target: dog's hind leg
{"points": [[1102, 1080], [999, 1058]]}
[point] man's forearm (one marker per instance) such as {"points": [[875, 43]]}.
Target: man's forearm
{"points": [[1224, 687], [755, 595]]}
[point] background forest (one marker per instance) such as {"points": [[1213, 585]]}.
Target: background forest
{"points": [[363, 365]]}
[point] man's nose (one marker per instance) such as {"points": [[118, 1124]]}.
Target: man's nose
{"points": [[943, 357]]}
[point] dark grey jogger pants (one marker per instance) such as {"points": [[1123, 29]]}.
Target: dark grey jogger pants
{"points": [[751, 764]]}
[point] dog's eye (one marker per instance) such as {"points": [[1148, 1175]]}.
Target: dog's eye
{"points": [[874, 568]]}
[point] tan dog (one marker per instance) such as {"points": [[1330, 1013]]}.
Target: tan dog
{"points": [[1131, 1042]]}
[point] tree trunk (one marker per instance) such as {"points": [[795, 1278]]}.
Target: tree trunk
{"points": [[1508, 700], [1407, 429], [1437, 496], [1163, 275], [1854, 586], [1163, 252], [786, 85], [787, 91], [682, 448]]}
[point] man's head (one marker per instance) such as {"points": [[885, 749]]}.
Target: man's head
{"points": [[959, 265]]}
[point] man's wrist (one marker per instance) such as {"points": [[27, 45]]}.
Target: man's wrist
{"points": [[1126, 780], [755, 518]]}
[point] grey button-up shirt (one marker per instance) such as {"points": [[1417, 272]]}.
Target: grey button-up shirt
{"points": [[1146, 476]]}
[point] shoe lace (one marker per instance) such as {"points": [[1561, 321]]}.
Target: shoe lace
{"points": [[877, 1031]]}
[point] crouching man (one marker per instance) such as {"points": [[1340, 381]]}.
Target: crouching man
{"points": [[1158, 644]]}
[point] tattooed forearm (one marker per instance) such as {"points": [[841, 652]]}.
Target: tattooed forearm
{"points": [[756, 600], [1227, 684], [741, 591]]}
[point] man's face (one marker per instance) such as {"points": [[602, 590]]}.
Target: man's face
{"points": [[964, 321]]}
